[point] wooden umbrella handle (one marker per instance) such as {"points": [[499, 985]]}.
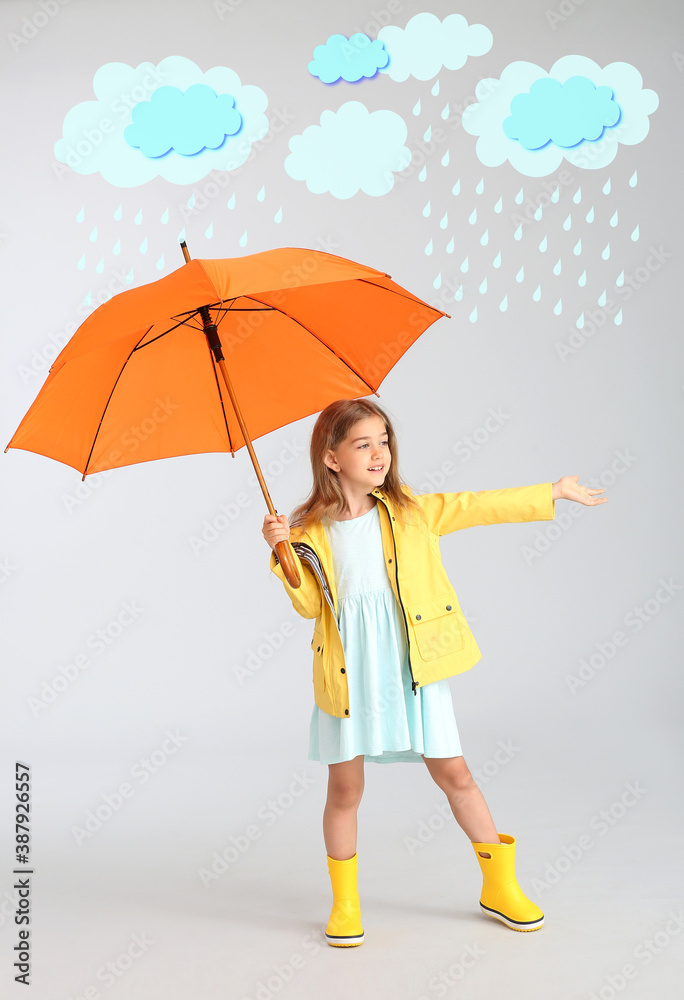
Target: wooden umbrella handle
{"points": [[284, 551]]}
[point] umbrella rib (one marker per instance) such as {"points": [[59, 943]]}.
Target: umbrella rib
{"points": [[403, 295], [183, 322], [90, 453], [192, 315], [307, 330]]}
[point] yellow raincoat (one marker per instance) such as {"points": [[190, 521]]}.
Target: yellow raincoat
{"points": [[440, 642]]}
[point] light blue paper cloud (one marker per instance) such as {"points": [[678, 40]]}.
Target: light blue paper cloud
{"points": [[495, 96], [350, 150], [186, 122], [348, 58], [427, 44], [93, 131], [562, 113]]}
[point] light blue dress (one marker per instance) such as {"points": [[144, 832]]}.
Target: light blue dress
{"points": [[387, 722]]}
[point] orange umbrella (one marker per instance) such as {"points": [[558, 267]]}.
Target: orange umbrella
{"points": [[157, 371]]}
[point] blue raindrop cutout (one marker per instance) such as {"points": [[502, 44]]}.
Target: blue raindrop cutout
{"points": [[544, 244], [582, 280], [416, 107], [243, 239], [143, 246], [435, 89], [577, 196], [278, 217], [93, 234], [160, 263], [503, 305], [606, 251], [497, 260], [423, 174], [450, 246], [557, 267], [165, 217], [99, 267], [590, 214], [117, 214], [445, 159], [618, 319], [633, 180], [426, 210], [520, 275], [480, 186], [456, 189], [231, 201], [536, 294], [261, 194], [499, 205], [465, 265], [444, 221], [138, 218], [484, 239], [483, 287], [473, 315], [116, 249], [81, 215], [517, 235], [209, 231], [635, 234], [472, 218], [606, 187], [614, 220], [437, 283], [428, 248], [558, 308], [577, 249]]}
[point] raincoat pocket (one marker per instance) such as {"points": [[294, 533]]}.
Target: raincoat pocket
{"points": [[318, 670], [436, 625]]}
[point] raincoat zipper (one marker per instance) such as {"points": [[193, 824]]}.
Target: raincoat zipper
{"points": [[414, 683]]}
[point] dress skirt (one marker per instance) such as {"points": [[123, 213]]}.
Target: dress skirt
{"points": [[387, 722]]}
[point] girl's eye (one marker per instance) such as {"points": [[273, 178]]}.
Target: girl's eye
{"points": [[385, 443]]}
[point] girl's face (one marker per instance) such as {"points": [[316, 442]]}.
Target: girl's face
{"points": [[365, 448]]}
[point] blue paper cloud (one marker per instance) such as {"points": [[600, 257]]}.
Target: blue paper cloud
{"points": [[186, 122], [348, 58], [495, 97], [563, 113]]}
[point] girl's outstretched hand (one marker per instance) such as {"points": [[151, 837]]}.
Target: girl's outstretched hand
{"points": [[567, 488], [276, 529]]}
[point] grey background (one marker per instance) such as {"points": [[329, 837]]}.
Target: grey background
{"points": [[70, 567]]}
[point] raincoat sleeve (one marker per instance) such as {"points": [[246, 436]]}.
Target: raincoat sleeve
{"points": [[307, 599], [446, 512]]}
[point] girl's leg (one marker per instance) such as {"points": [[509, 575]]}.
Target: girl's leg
{"points": [[345, 788], [467, 802]]}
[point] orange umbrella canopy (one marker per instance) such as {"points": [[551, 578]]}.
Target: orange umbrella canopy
{"points": [[138, 381]]}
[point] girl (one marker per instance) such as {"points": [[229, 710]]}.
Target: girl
{"points": [[389, 633]]}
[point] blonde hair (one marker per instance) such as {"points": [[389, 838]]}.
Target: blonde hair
{"points": [[326, 500]]}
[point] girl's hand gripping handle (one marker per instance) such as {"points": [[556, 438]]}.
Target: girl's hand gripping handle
{"points": [[276, 531]]}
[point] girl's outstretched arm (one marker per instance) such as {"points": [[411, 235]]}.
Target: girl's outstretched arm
{"points": [[567, 488]]}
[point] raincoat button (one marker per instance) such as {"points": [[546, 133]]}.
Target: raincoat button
{"points": [[417, 618], [341, 670], [448, 607], [346, 711], [390, 560]]}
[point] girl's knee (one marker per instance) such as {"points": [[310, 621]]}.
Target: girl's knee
{"points": [[345, 794], [452, 774]]}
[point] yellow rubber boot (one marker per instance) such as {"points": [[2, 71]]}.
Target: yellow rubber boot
{"points": [[502, 897], [344, 926]]}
